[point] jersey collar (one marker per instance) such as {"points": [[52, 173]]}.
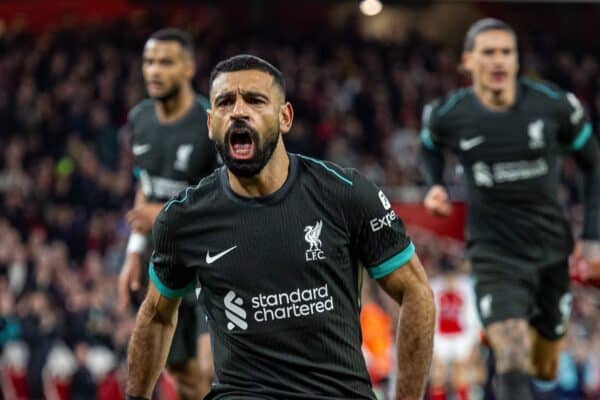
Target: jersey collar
{"points": [[270, 199]]}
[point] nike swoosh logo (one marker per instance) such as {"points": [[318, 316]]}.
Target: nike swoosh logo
{"points": [[468, 144], [139, 149], [210, 260]]}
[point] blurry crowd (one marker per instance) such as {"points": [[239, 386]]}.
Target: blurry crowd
{"points": [[66, 174]]}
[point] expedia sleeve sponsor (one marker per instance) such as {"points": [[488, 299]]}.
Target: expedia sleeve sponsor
{"points": [[378, 234]]}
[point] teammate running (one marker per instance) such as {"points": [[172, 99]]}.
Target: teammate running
{"points": [[172, 150], [278, 242], [509, 134]]}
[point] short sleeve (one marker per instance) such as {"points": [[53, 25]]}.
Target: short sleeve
{"points": [[575, 129], [168, 273], [378, 235]]}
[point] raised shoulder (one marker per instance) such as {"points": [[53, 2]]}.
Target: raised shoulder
{"points": [[445, 105], [192, 195], [328, 172], [140, 109], [544, 88]]}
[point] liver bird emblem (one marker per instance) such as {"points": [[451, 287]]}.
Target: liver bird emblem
{"points": [[312, 234]]}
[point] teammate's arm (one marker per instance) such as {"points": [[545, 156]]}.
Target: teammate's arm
{"points": [[409, 287], [577, 136], [588, 160], [150, 342], [432, 167], [170, 279], [140, 219]]}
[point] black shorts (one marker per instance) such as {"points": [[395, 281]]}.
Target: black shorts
{"points": [[191, 323], [507, 288]]}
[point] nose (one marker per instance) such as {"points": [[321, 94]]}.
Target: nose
{"points": [[240, 109], [153, 70]]}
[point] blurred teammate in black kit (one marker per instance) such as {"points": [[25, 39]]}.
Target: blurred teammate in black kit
{"points": [[172, 150], [280, 244], [509, 135]]}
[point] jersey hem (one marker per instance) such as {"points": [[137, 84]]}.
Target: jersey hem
{"points": [[165, 291], [393, 263]]}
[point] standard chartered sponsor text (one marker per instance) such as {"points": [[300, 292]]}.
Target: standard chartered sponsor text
{"points": [[518, 170], [295, 304]]}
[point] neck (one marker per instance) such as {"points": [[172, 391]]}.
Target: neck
{"points": [[175, 107], [270, 179], [496, 100]]}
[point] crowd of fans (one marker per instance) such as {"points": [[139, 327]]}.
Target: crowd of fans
{"points": [[66, 181]]}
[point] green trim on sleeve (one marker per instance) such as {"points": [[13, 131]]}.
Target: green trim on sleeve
{"points": [[582, 137], [393, 263], [426, 139], [165, 291]]}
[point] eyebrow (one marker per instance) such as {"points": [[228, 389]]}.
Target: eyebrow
{"points": [[244, 93]]}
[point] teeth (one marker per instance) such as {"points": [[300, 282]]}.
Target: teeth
{"points": [[242, 148]]}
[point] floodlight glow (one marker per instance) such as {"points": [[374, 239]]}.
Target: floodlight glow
{"points": [[370, 7]]}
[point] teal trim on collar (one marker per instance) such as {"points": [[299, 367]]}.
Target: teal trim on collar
{"points": [[392, 264], [334, 172], [540, 87], [451, 102], [180, 201], [165, 291]]}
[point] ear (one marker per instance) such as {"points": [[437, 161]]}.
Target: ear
{"points": [[286, 117], [190, 68], [467, 61], [209, 122]]}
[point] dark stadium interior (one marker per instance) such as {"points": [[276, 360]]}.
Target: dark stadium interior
{"points": [[69, 73]]}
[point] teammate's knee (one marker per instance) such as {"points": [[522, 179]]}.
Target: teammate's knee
{"points": [[512, 346]]}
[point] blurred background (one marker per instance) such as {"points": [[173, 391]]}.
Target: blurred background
{"points": [[358, 75]]}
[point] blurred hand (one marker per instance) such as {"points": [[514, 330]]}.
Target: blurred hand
{"points": [[142, 217], [437, 201], [585, 262], [129, 279]]}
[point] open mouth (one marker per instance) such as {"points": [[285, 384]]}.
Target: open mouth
{"points": [[241, 145], [498, 76], [154, 85]]}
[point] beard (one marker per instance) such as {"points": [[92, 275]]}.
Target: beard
{"points": [[262, 151], [171, 93]]}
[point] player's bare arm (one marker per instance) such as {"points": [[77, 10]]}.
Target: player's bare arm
{"points": [[588, 249], [130, 275], [142, 215], [408, 285], [150, 342]]}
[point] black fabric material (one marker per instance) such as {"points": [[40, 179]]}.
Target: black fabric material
{"points": [[513, 385]]}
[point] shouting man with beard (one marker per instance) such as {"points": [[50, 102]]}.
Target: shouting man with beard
{"points": [[280, 243]]}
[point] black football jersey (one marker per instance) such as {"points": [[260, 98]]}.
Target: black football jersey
{"points": [[281, 277], [170, 156], [510, 161]]}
